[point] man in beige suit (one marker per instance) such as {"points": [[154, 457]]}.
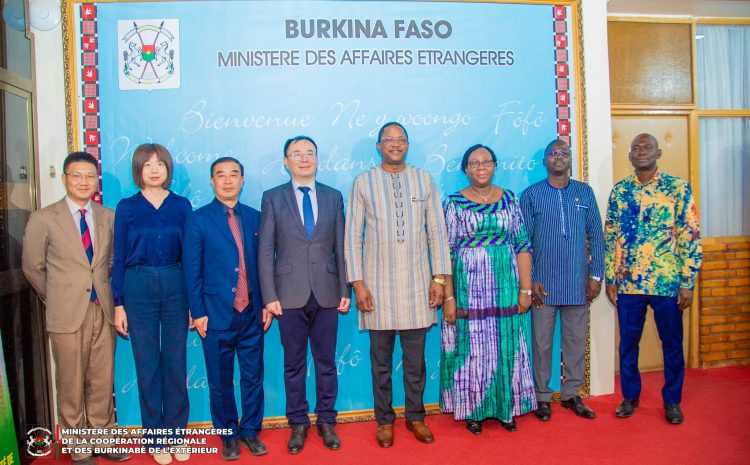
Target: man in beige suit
{"points": [[67, 258]]}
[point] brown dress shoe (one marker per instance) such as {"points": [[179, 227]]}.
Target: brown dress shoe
{"points": [[384, 435], [421, 431]]}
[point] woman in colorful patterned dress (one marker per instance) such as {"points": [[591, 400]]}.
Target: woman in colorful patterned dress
{"points": [[485, 370]]}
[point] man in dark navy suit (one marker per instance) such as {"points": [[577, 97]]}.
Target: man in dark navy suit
{"points": [[301, 267], [219, 258]]}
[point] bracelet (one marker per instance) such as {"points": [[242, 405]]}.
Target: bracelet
{"points": [[448, 298]]}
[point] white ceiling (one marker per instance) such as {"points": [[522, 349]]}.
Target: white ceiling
{"points": [[697, 8]]}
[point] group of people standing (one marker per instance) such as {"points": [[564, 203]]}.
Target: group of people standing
{"points": [[228, 270]]}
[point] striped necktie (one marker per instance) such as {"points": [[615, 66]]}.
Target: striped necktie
{"points": [[242, 295], [88, 246]]}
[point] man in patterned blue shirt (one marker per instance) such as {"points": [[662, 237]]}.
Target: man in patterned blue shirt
{"points": [[561, 215]]}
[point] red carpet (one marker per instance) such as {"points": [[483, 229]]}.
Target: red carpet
{"points": [[716, 403]]}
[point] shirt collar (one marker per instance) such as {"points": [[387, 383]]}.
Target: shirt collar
{"points": [[296, 185], [557, 188], [75, 208], [144, 199], [226, 207], [654, 178]]}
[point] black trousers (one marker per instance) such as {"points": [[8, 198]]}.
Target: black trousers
{"points": [[319, 326], [381, 358]]}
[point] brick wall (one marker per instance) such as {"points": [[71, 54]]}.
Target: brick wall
{"points": [[724, 320]]}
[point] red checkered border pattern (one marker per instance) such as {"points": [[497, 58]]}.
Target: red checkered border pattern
{"points": [[90, 87], [562, 85], [562, 81]]}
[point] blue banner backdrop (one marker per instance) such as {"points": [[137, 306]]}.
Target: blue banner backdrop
{"points": [[237, 78]]}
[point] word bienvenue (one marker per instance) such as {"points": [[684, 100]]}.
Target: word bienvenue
{"points": [[352, 115]]}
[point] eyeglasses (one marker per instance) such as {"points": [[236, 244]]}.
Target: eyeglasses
{"points": [[78, 177], [395, 140], [561, 153], [300, 155], [488, 163], [646, 148]]}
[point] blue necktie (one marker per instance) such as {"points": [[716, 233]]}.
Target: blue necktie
{"points": [[307, 211]]}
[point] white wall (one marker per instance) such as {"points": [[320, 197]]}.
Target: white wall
{"points": [[51, 136], [52, 149], [599, 137], [702, 8]]}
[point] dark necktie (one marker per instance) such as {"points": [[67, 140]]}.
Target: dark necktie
{"points": [[241, 297], [88, 246], [307, 211]]}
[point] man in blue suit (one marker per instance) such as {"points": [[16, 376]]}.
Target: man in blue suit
{"points": [[219, 260], [301, 266]]}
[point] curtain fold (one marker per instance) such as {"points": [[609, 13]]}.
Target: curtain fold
{"points": [[723, 62], [725, 170], [723, 59]]}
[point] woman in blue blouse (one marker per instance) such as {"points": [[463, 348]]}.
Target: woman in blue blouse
{"points": [[149, 293]]}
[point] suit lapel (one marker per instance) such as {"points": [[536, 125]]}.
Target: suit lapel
{"points": [[68, 225], [291, 200], [220, 218], [323, 208], [248, 229], [99, 230]]}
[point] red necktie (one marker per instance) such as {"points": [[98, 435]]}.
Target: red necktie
{"points": [[241, 298]]}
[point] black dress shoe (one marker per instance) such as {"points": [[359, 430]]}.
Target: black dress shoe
{"points": [[330, 440], [230, 450], [673, 413], [474, 426], [543, 411], [626, 407], [509, 426], [254, 445], [578, 407], [297, 440]]}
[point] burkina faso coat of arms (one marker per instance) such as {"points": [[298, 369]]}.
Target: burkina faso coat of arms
{"points": [[149, 51]]}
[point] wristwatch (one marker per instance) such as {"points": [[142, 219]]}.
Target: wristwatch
{"points": [[525, 291], [440, 281], [597, 278]]}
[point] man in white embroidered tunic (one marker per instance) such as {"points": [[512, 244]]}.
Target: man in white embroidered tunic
{"points": [[397, 258]]}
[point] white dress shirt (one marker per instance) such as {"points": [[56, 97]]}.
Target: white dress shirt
{"points": [[75, 210], [300, 196]]}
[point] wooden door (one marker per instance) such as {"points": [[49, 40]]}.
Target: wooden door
{"points": [[672, 131]]}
